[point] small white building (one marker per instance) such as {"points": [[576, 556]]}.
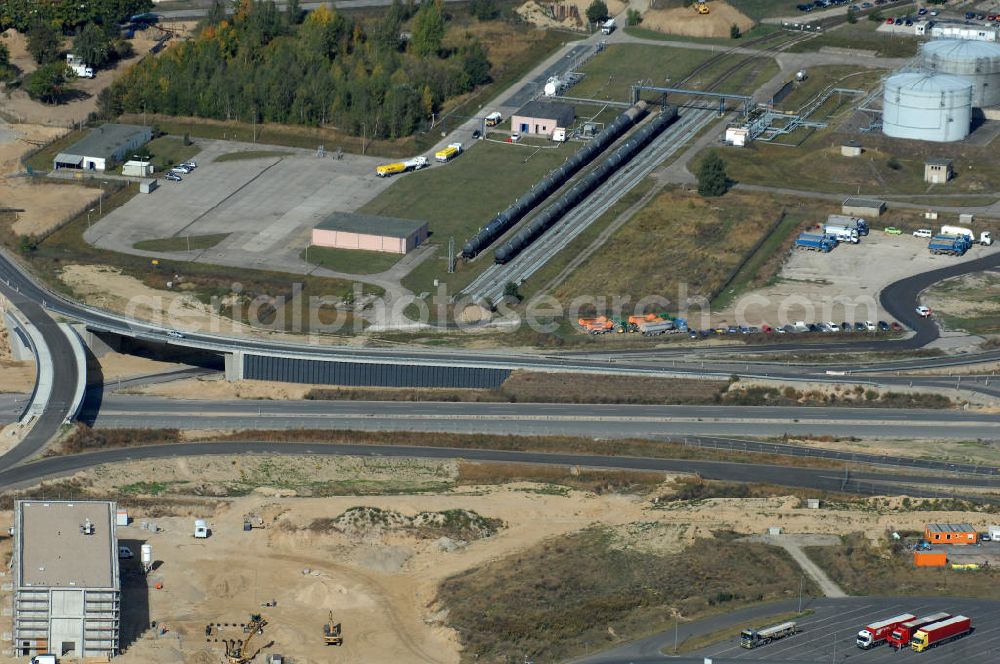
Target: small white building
{"points": [[138, 169], [737, 136]]}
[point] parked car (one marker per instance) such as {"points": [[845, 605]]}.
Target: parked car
{"points": [[476, 135], [125, 553], [732, 329], [832, 327], [890, 21], [923, 312], [859, 327], [183, 170], [923, 232], [870, 326], [173, 177], [883, 326], [845, 327], [892, 230], [767, 329], [896, 327], [189, 164], [922, 11], [813, 327], [175, 334]]}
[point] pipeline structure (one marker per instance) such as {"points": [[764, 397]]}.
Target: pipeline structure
{"points": [[585, 187], [550, 183]]}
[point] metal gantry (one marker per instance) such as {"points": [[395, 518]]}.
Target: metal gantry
{"points": [[637, 90]]}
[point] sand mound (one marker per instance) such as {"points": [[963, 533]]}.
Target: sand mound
{"points": [[686, 21], [567, 14]]}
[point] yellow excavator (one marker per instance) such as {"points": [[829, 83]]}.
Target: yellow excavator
{"points": [[242, 651], [331, 633], [701, 8]]}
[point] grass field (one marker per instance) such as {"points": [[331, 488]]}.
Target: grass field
{"points": [[168, 151], [862, 36], [565, 596], [821, 78], [679, 241], [609, 75], [861, 569], [42, 160], [349, 260], [182, 243], [759, 30], [250, 154], [463, 196], [970, 303], [888, 165]]}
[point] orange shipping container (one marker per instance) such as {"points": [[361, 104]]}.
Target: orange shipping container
{"points": [[929, 559]]}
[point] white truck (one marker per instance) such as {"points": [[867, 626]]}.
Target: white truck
{"points": [[994, 533], [752, 638], [842, 233], [200, 528], [493, 119], [608, 27], [78, 66], [984, 237]]}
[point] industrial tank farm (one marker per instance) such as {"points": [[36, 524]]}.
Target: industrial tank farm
{"points": [[927, 107], [977, 62]]}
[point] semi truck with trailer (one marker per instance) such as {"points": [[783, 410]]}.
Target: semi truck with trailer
{"points": [[985, 239], [878, 632], [949, 245], [857, 223], [493, 119], [448, 153], [812, 242], [940, 632], [752, 638], [654, 328], [901, 635], [415, 164]]}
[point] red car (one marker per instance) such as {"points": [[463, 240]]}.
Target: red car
{"points": [[767, 329], [896, 327], [889, 21]]}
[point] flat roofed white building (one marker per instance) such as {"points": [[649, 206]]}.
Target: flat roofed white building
{"points": [[67, 589]]}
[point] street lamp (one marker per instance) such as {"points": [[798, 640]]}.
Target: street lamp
{"points": [[89, 212]]}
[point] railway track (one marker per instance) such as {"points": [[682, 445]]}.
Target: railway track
{"points": [[490, 285]]}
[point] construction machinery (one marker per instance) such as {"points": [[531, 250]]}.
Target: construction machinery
{"points": [[331, 632], [242, 651], [701, 8]]}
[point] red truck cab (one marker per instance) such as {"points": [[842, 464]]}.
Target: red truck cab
{"points": [[900, 637]]}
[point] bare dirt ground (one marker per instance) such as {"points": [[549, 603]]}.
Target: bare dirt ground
{"points": [[689, 23], [218, 388], [20, 106], [117, 365], [840, 286], [45, 205], [381, 583], [107, 287], [543, 14]]}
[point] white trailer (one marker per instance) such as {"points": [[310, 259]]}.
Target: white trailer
{"points": [[984, 237], [608, 27], [200, 528], [842, 233], [994, 533], [657, 328], [82, 71]]}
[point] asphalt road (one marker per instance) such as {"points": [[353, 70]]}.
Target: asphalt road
{"points": [[828, 635], [63, 384], [595, 420], [882, 483]]}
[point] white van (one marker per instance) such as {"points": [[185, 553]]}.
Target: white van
{"points": [[200, 529], [923, 232], [44, 659]]}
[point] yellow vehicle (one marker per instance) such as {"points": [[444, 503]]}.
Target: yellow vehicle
{"points": [[448, 153], [332, 632], [701, 8], [385, 170]]}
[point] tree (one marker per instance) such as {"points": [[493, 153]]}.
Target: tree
{"points": [[484, 10], [47, 83], [93, 46], [510, 291], [734, 31], [5, 69], [852, 16], [27, 244], [597, 11], [293, 12], [712, 178], [633, 17], [43, 42], [428, 29], [217, 13]]}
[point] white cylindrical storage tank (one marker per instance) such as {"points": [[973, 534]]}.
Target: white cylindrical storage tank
{"points": [[146, 555], [978, 62], [927, 107]]}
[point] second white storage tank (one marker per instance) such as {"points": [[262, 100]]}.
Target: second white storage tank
{"points": [[976, 61], [927, 107]]}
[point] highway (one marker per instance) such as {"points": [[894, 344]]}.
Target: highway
{"points": [[532, 419]]}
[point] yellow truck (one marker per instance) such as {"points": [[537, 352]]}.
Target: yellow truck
{"points": [[448, 153], [701, 8], [415, 164]]}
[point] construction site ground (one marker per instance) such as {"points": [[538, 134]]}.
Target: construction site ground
{"points": [[380, 583], [687, 22]]}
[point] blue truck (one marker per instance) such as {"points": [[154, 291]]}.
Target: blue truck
{"points": [[814, 242], [949, 245]]}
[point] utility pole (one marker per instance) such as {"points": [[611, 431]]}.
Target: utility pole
{"points": [[451, 255], [675, 633], [800, 593]]}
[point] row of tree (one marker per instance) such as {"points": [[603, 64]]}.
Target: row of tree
{"points": [[68, 15], [366, 78]]}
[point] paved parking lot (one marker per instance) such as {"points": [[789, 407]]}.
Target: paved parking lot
{"points": [[829, 634], [268, 205]]}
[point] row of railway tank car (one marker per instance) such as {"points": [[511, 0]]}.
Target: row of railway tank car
{"points": [[550, 183], [585, 187]]}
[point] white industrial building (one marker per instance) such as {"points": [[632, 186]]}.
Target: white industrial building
{"points": [[102, 146], [941, 30], [67, 590], [927, 107]]}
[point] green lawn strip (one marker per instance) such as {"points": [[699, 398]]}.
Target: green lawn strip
{"points": [[610, 74], [42, 160], [168, 151], [250, 154], [861, 36], [181, 243], [755, 32], [350, 261]]}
